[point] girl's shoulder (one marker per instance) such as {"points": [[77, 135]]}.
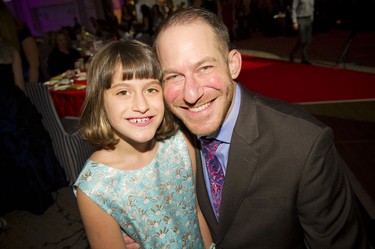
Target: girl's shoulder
{"points": [[98, 155], [101, 157], [179, 137]]}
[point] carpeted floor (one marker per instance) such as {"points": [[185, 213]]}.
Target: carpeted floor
{"points": [[59, 227]]}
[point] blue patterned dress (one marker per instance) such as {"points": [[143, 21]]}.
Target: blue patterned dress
{"points": [[155, 205]]}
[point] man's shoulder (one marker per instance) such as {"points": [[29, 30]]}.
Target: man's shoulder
{"points": [[276, 109]]}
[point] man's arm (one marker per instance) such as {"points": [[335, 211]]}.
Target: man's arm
{"points": [[326, 204]]}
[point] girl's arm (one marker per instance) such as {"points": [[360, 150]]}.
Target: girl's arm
{"points": [[205, 231], [102, 230]]}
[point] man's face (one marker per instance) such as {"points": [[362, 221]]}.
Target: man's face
{"points": [[198, 76]]}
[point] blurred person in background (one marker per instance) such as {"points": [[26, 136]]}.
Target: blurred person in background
{"points": [[159, 12], [63, 56], [29, 171], [10, 64], [147, 20], [26, 45], [302, 18]]}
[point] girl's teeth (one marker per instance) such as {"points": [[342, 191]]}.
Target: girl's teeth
{"points": [[139, 120]]}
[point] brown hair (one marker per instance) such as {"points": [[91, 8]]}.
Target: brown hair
{"points": [[191, 15], [9, 26], [138, 61]]}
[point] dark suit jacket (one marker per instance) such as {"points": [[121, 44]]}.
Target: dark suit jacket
{"points": [[285, 184]]}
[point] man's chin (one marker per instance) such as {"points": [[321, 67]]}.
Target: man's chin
{"points": [[199, 125], [200, 130]]}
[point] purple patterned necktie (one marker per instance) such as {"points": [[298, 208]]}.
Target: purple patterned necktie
{"points": [[215, 171]]}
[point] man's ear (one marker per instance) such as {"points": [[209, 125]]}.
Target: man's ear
{"points": [[235, 63]]}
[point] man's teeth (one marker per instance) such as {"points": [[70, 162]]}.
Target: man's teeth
{"points": [[199, 108], [139, 120]]}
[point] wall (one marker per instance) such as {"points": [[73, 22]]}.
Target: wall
{"points": [[47, 15]]}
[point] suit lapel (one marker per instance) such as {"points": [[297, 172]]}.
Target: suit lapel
{"points": [[242, 163], [240, 170], [238, 177]]}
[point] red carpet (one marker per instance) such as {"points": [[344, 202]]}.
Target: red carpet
{"points": [[298, 83]]}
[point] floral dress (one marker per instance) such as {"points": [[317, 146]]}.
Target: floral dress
{"points": [[155, 205]]}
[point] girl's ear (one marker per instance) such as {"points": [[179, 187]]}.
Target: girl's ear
{"points": [[234, 63]]}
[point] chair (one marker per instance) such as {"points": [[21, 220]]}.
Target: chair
{"points": [[70, 149]]}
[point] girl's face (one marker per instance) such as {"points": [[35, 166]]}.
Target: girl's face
{"points": [[135, 108]]}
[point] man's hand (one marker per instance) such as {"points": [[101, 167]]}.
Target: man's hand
{"points": [[295, 25], [130, 243]]}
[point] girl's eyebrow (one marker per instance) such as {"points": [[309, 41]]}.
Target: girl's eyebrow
{"points": [[118, 84], [125, 84]]}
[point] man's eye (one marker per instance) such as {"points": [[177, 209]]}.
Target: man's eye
{"points": [[172, 78], [205, 68]]}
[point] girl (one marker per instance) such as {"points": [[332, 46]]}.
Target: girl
{"points": [[140, 181]]}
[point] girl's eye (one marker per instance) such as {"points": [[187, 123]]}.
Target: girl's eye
{"points": [[123, 92], [152, 90]]}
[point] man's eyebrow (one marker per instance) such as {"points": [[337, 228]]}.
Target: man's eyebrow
{"points": [[169, 70], [197, 64]]}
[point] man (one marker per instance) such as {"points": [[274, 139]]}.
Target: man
{"points": [[302, 18], [284, 183]]}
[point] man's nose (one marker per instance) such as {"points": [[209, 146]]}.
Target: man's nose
{"points": [[192, 90]]}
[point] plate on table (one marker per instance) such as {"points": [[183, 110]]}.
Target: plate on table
{"points": [[69, 87], [77, 87], [64, 81], [58, 77], [61, 87], [51, 82], [81, 74], [81, 78]]}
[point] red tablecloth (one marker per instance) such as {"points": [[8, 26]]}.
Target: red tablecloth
{"points": [[69, 102]]}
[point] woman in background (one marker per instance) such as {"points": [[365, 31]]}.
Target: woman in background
{"points": [[63, 56], [29, 170], [10, 65], [19, 34]]}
